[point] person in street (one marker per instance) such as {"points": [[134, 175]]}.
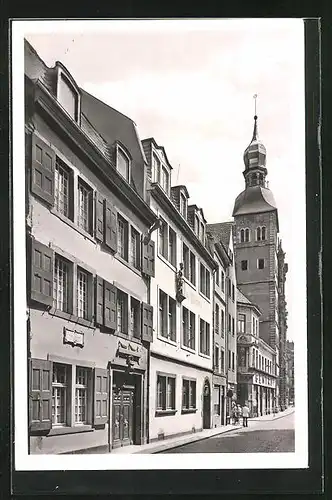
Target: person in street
{"points": [[245, 415], [239, 413]]}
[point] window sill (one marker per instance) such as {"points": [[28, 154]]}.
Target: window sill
{"points": [[187, 348], [188, 282], [188, 410], [167, 262], [72, 318], [74, 226], [167, 340], [205, 297], [165, 413], [57, 431], [206, 356], [127, 264]]}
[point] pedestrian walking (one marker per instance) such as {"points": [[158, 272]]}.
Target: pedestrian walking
{"points": [[239, 413], [245, 415]]}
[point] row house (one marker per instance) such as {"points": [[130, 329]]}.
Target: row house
{"points": [[256, 361], [222, 233], [180, 383], [89, 265]]}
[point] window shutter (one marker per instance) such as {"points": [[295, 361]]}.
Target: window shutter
{"points": [[110, 293], [100, 213], [40, 408], [99, 316], [148, 259], [43, 164], [100, 413], [111, 239], [147, 322], [42, 258]]}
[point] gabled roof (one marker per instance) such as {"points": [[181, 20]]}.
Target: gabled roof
{"points": [[243, 299], [221, 231], [196, 208], [152, 139], [181, 187], [254, 199]]}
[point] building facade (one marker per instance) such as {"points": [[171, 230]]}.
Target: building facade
{"points": [[89, 266], [282, 313], [256, 361], [180, 382], [290, 386]]}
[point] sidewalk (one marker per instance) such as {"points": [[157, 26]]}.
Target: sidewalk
{"points": [[159, 446]]}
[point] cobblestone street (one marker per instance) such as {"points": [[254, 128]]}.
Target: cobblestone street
{"points": [[275, 435]]}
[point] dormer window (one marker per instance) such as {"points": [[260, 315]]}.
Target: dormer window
{"points": [[197, 225], [68, 95], [183, 205], [165, 179], [202, 232], [123, 163], [156, 168]]}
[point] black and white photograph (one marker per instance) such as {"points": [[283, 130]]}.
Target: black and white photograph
{"points": [[159, 244]]}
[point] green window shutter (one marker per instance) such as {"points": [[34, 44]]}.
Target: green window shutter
{"points": [[110, 295], [40, 388], [148, 258], [99, 295], [111, 239], [42, 261], [147, 322], [101, 385], [42, 170], [100, 218]]}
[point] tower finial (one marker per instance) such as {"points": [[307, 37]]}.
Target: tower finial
{"points": [[255, 97]]}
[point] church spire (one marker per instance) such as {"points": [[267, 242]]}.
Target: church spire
{"points": [[255, 158]]}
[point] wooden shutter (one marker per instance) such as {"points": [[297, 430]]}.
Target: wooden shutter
{"points": [[42, 258], [40, 407], [99, 294], [100, 413], [111, 239], [110, 293], [100, 218], [147, 322], [43, 165], [148, 266]]}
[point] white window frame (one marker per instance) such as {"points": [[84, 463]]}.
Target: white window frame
{"points": [[121, 150]]}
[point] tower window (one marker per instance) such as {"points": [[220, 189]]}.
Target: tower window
{"points": [[244, 265], [244, 235], [261, 233], [247, 235], [261, 264]]}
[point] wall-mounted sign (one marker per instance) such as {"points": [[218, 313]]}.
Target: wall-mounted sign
{"points": [[73, 337]]}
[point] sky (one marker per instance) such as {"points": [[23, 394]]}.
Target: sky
{"points": [[190, 85]]}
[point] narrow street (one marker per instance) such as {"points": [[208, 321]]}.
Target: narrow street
{"points": [[274, 435]]}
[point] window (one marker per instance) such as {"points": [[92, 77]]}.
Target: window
{"points": [[122, 311], [216, 400], [244, 265], [192, 269], [261, 264], [216, 359], [122, 238], [134, 258], [189, 264], [205, 281], [81, 396], [233, 361], [167, 243], [222, 281], [258, 234], [244, 235], [123, 164], [60, 393], [241, 323], [229, 288], [204, 336], [183, 205], [222, 360], [61, 285], [167, 316], [197, 225], [229, 323], [134, 325], [188, 328], [222, 323], [233, 326], [84, 206], [67, 96], [261, 233], [233, 292], [163, 239], [165, 180], [229, 359], [172, 247], [82, 294], [156, 168], [62, 189], [188, 394], [217, 276], [216, 319], [165, 392], [202, 233]]}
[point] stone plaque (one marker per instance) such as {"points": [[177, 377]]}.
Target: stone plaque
{"points": [[73, 337]]}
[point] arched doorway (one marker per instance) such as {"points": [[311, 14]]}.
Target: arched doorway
{"points": [[206, 404]]}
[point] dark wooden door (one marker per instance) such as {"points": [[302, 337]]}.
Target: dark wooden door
{"points": [[206, 406], [122, 421]]}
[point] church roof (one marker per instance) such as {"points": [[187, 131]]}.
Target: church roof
{"points": [[221, 231], [254, 199]]}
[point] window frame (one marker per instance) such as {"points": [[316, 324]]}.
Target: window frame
{"points": [[259, 264], [204, 338], [205, 281], [244, 265], [189, 395], [165, 408], [90, 204], [63, 76], [120, 150]]}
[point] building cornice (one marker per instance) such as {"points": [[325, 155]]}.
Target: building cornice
{"points": [[53, 113], [172, 212]]}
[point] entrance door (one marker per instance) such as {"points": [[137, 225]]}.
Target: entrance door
{"points": [[122, 421], [206, 405]]}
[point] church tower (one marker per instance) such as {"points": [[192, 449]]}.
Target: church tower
{"points": [[256, 238]]}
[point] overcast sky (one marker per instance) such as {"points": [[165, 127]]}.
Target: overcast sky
{"points": [[190, 85]]}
